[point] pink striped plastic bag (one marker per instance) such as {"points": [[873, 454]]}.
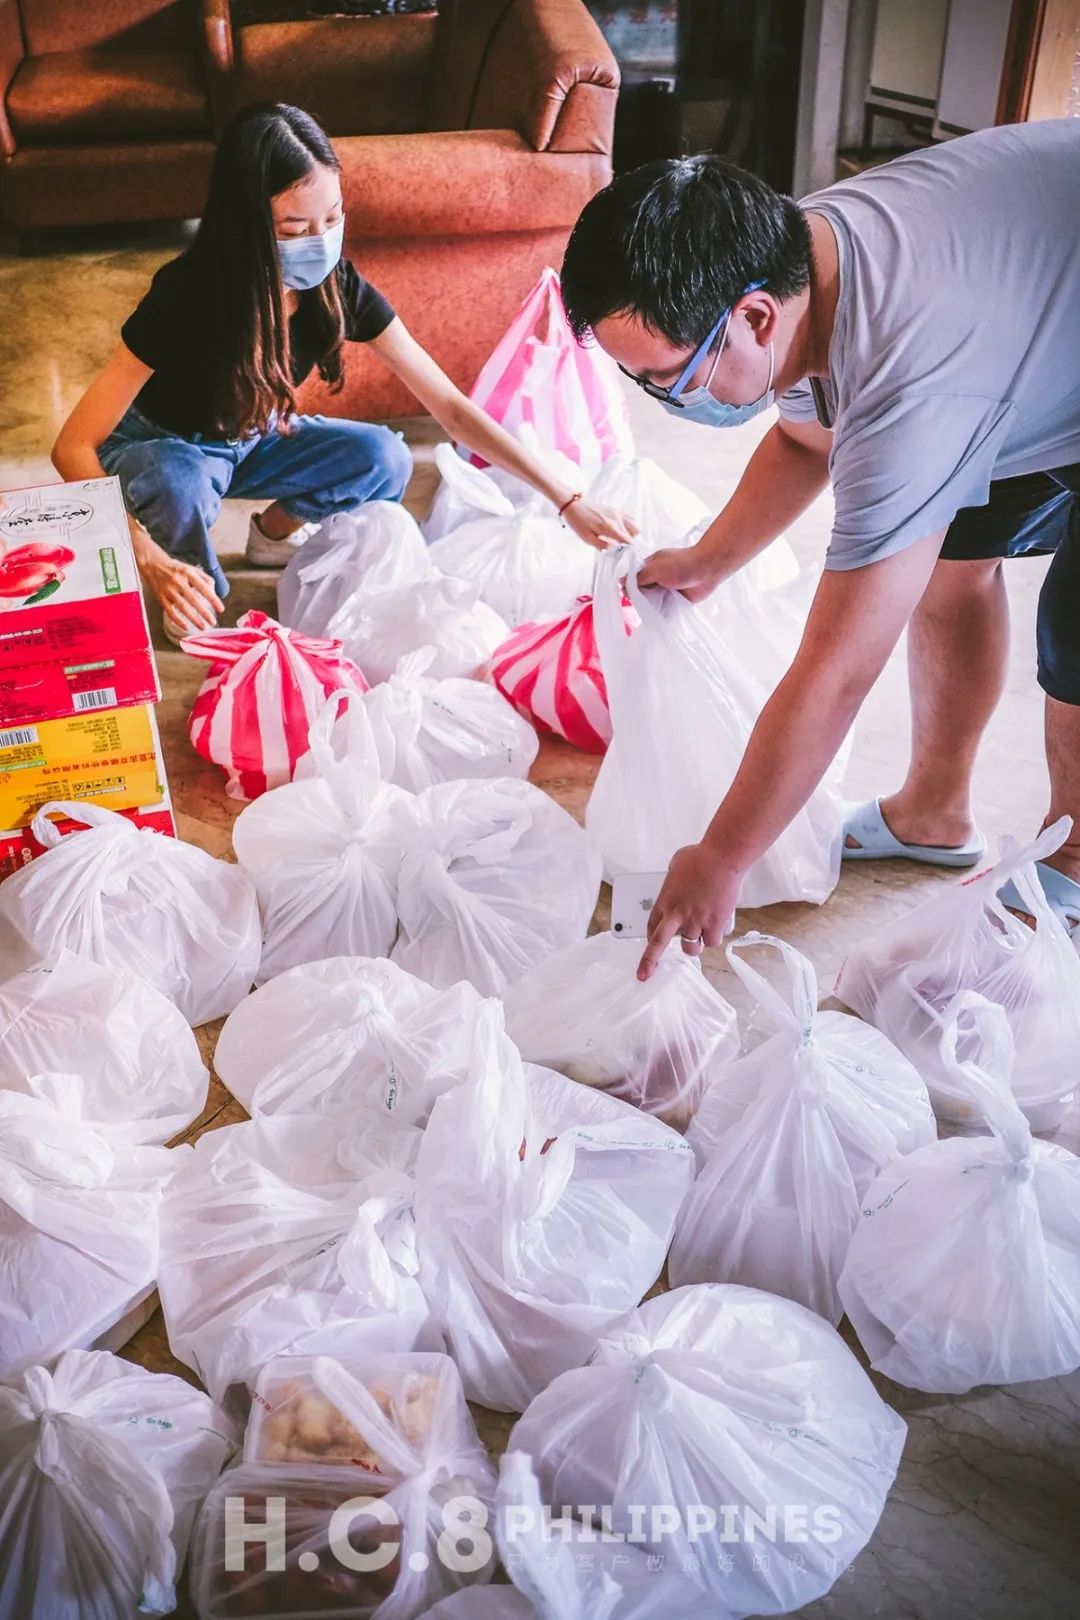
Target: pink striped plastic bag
{"points": [[540, 380], [551, 674], [255, 707]]}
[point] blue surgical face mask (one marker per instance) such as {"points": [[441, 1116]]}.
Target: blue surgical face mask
{"points": [[698, 404], [308, 260]]}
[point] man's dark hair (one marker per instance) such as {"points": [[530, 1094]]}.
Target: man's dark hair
{"points": [[678, 241]]}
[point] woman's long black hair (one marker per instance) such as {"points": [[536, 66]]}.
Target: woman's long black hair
{"points": [[263, 151]]}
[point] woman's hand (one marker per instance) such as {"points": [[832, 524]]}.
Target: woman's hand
{"points": [[697, 903], [599, 526], [186, 594], [687, 569]]}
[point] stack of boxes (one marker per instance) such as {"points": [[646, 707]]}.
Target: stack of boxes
{"points": [[77, 675]]}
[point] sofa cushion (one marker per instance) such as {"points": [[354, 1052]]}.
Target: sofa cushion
{"points": [[356, 75], [106, 93], [71, 25]]}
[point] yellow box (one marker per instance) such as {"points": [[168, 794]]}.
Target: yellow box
{"points": [[111, 757]]}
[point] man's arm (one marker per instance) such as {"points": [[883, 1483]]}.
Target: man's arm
{"points": [[854, 624], [788, 470]]}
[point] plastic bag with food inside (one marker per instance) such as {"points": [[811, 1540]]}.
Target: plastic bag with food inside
{"points": [[447, 614], [137, 901], [494, 876], [102, 1468], [965, 1266], [321, 851], [79, 1214], [345, 1034], [790, 1137], [543, 1210], [565, 1568], [585, 1013], [527, 563], [376, 1456], [376, 547], [133, 1050], [284, 1236], [713, 1397], [429, 731], [903, 977]]}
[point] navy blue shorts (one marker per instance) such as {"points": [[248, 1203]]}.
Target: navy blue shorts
{"points": [[1034, 516]]}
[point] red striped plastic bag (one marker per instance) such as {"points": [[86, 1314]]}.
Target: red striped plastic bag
{"points": [[551, 674], [255, 707], [539, 380]]}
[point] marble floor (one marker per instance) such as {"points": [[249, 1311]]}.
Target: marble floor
{"points": [[982, 1520]]}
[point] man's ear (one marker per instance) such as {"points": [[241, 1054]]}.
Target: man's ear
{"points": [[762, 316]]}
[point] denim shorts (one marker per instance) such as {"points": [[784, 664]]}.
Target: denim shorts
{"points": [[1035, 516]]}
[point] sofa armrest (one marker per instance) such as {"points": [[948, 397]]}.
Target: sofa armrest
{"points": [[11, 54], [539, 67], [218, 53]]}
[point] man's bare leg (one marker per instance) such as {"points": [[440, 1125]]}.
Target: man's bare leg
{"points": [[958, 652], [1063, 760]]}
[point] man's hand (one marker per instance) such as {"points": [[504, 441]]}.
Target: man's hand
{"points": [[599, 526], [687, 569], [697, 903]]}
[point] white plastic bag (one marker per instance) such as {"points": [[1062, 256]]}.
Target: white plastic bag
{"points": [[543, 1213], [135, 900], [732, 1422], [102, 1468], [682, 710], [429, 731], [566, 1569], [321, 851], [965, 1268], [494, 876], [904, 977], [78, 1222], [438, 612], [813, 1114], [527, 564], [389, 1439], [285, 1236], [377, 547], [134, 1051], [346, 1034], [585, 1013]]}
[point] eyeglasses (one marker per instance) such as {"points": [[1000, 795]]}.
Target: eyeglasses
{"points": [[671, 394]]}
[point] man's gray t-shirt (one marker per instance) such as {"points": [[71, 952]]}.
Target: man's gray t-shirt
{"points": [[955, 355]]}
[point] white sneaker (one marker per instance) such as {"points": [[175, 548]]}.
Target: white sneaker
{"points": [[262, 552], [174, 631]]}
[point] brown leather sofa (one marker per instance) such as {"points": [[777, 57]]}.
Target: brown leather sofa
{"points": [[469, 141], [104, 111]]}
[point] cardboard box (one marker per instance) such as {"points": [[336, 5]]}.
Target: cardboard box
{"points": [[73, 630], [111, 758], [18, 846]]}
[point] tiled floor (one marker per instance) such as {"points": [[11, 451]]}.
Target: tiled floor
{"points": [[982, 1521]]}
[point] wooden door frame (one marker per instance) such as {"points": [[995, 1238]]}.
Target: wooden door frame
{"points": [[1039, 55]]}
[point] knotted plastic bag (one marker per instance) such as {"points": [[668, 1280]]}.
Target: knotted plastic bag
{"points": [[78, 1222], [102, 1468], [136, 901], [321, 851], [375, 548], [494, 876], [585, 1013], [904, 977], [551, 673], [134, 1051], [265, 686], [965, 1266], [438, 612], [715, 1419], [789, 1138], [543, 1213]]}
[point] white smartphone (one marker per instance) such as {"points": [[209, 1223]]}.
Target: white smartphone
{"points": [[632, 898]]}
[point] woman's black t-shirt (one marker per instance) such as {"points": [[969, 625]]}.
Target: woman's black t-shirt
{"points": [[168, 331]]}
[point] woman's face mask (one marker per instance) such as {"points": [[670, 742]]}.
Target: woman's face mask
{"points": [[307, 260]]}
